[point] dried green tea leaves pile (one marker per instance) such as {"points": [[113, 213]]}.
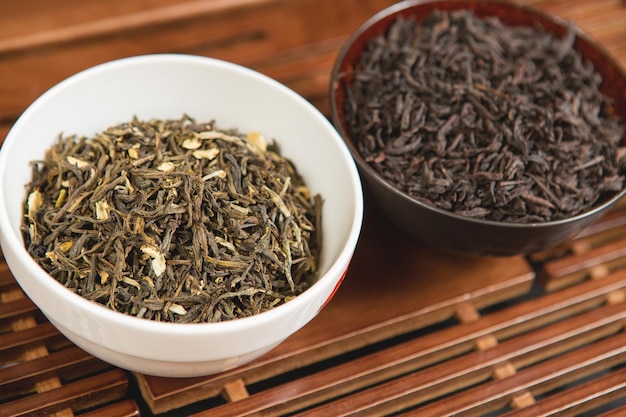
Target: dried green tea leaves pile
{"points": [[172, 220], [484, 120]]}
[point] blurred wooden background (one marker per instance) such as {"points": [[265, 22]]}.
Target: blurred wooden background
{"points": [[295, 41]]}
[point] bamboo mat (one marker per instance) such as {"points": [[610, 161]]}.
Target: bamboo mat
{"points": [[412, 331]]}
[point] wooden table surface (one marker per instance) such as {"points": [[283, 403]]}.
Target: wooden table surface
{"points": [[445, 335]]}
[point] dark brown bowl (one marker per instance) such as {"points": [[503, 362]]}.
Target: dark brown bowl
{"points": [[441, 228]]}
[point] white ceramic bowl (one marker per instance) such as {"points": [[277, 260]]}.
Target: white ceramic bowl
{"points": [[168, 86]]}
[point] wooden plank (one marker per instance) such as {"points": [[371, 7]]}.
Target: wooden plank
{"points": [[431, 348], [79, 395], [68, 364], [617, 412], [6, 278], [126, 408], [100, 23], [431, 382], [256, 37], [608, 229], [538, 379], [579, 399], [577, 267], [27, 337], [16, 308], [613, 223]]}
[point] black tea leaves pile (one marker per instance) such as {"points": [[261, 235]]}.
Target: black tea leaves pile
{"points": [[173, 220], [485, 120]]}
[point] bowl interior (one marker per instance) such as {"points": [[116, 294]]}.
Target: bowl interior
{"points": [[612, 73]]}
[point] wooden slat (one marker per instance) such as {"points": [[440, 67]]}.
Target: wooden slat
{"points": [[127, 408], [110, 25], [6, 279], [617, 412], [252, 36], [418, 387], [15, 308], [578, 267], [538, 379], [27, 337], [35, 380], [80, 395], [444, 344], [609, 229], [519, 318], [68, 364], [583, 398]]}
